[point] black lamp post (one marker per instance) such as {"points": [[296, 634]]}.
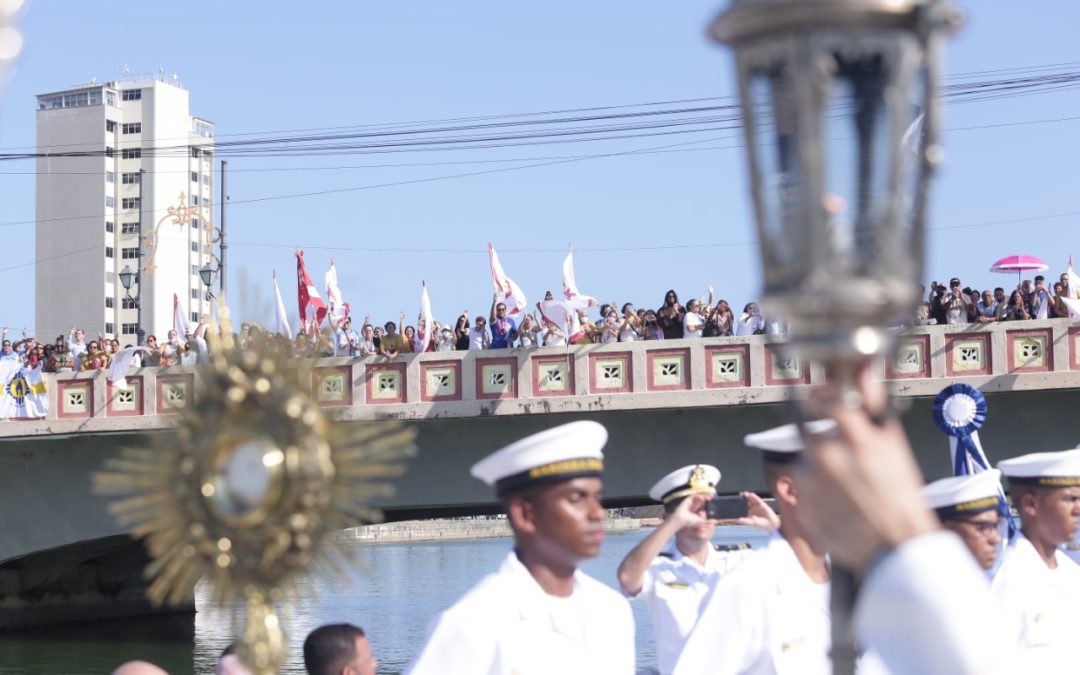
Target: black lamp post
{"points": [[127, 278]]}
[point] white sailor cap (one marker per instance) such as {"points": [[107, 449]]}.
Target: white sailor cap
{"points": [[783, 445], [961, 496], [568, 451], [693, 479], [1046, 469]]}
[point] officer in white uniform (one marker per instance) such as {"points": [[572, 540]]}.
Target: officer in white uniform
{"points": [[675, 568], [969, 506], [1037, 586], [770, 616], [537, 614]]}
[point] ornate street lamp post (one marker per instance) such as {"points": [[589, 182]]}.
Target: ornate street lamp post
{"points": [[840, 113]]}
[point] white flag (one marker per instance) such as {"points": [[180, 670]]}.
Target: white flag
{"points": [[512, 296], [338, 309], [179, 318], [569, 286], [563, 316], [424, 324], [281, 319], [24, 394], [119, 364]]}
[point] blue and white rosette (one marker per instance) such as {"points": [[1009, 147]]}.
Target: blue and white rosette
{"points": [[960, 411]]}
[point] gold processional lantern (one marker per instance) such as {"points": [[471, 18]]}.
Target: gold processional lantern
{"points": [[841, 117], [840, 111], [251, 489]]}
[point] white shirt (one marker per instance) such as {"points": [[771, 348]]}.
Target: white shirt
{"points": [[507, 624], [674, 589], [765, 618], [692, 324], [1041, 606], [478, 338], [748, 325], [926, 608]]}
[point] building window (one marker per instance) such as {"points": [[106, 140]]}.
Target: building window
{"points": [[195, 223], [129, 203], [129, 228], [194, 176], [206, 179], [194, 294], [194, 247], [108, 226], [127, 303], [131, 94], [130, 153], [195, 269], [129, 253], [194, 317], [108, 303], [110, 177], [131, 128], [109, 328], [109, 151], [195, 200], [129, 178], [109, 202], [129, 328], [110, 126], [108, 251], [110, 98]]}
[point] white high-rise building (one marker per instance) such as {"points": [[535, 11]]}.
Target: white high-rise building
{"points": [[109, 155]]}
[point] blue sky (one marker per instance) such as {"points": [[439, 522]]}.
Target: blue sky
{"points": [[253, 67]]}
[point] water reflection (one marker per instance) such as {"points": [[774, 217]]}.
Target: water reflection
{"points": [[404, 586]]}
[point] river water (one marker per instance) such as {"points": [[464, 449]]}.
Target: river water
{"points": [[404, 586]]}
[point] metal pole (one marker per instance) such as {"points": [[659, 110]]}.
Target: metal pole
{"points": [[222, 198], [139, 332]]}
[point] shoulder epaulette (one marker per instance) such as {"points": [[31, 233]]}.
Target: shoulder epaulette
{"points": [[727, 548], [666, 554]]}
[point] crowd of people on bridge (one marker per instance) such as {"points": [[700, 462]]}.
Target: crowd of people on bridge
{"points": [[501, 327]]}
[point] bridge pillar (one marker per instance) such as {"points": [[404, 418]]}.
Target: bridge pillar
{"points": [[82, 582]]}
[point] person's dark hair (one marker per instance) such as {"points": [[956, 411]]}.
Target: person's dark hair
{"points": [[327, 649], [1039, 277], [671, 292]]}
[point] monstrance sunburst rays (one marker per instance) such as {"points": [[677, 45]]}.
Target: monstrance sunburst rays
{"points": [[250, 490]]}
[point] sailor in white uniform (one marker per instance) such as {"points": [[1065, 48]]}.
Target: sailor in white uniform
{"points": [[770, 616], [969, 506], [677, 566], [1037, 586], [538, 614]]}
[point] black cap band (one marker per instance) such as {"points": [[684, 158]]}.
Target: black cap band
{"points": [[556, 472]]}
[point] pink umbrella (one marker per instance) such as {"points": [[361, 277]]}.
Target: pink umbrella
{"points": [[1018, 264]]}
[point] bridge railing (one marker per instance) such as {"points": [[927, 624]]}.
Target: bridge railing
{"points": [[617, 376]]}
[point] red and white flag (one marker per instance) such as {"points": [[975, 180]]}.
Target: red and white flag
{"points": [[512, 296], [562, 316], [338, 309], [308, 296], [281, 319], [425, 323], [179, 318], [569, 286]]}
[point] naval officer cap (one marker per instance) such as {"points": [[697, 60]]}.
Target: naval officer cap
{"points": [[693, 479], [563, 453], [1043, 469], [962, 496], [784, 445]]}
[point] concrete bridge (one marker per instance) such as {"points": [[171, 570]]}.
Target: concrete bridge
{"points": [[665, 403]]}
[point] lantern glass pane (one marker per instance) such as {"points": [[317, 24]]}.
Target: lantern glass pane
{"points": [[857, 133], [776, 150]]}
